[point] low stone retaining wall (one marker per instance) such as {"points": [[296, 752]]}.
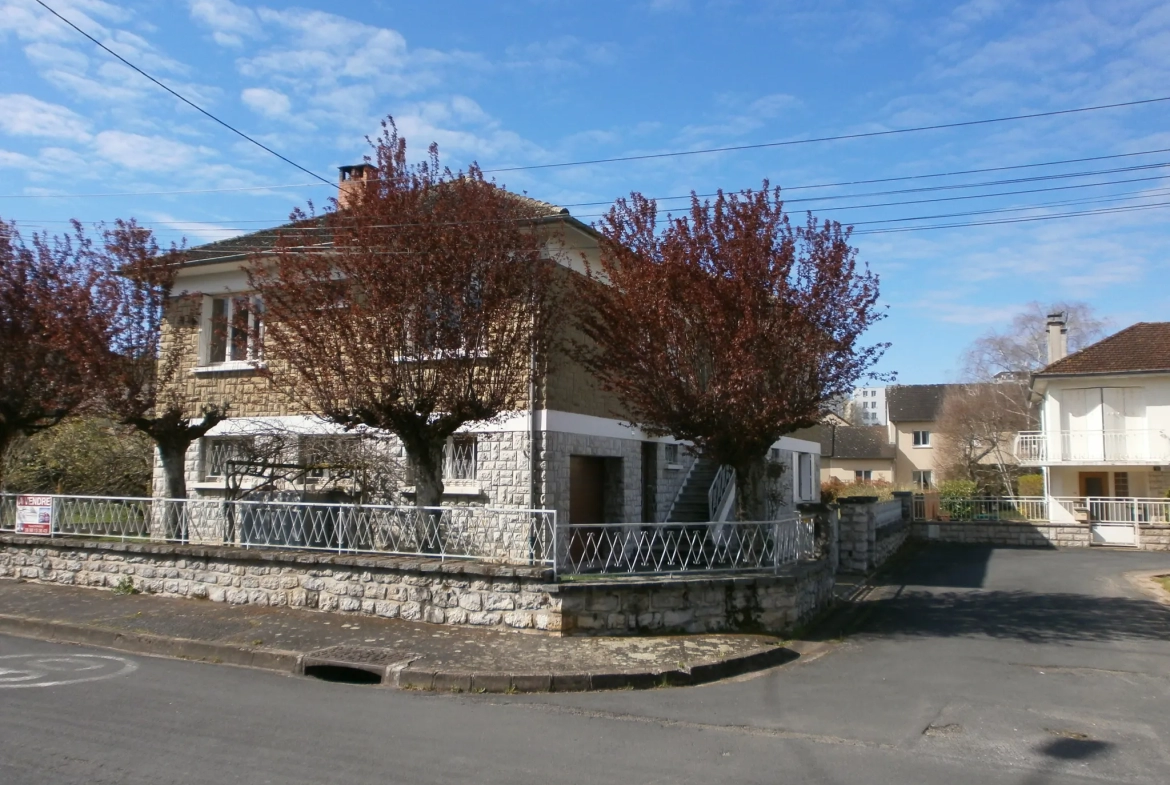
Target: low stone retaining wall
{"points": [[421, 589], [888, 540], [441, 592], [630, 606], [1154, 537], [868, 534], [1042, 535]]}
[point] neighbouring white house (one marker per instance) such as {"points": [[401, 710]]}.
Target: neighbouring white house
{"points": [[1104, 438]]}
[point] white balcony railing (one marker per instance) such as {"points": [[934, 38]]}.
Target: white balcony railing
{"points": [[1089, 447]]}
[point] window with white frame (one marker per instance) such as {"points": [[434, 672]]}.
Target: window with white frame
{"points": [[219, 452], [921, 438], [232, 329], [671, 453], [460, 457], [862, 475], [922, 480]]}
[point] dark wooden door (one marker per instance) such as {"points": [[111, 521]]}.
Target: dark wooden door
{"points": [[1094, 484], [586, 489], [587, 544], [649, 482]]}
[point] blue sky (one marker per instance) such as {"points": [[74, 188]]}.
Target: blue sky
{"points": [[545, 81]]}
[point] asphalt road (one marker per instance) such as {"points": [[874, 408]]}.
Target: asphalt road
{"points": [[972, 666]]}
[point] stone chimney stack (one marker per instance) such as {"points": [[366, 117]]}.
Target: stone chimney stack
{"points": [[352, 180], [1057, 336]]}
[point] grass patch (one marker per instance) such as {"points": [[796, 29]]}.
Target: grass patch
{"points": [[1164, 582]]}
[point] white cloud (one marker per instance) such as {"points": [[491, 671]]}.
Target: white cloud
{"points": [[202, 231], [147, 153], [230, 24], [23, 115], [266, 101]]}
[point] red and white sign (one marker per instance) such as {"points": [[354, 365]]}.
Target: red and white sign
{"points": [[34, 515]]}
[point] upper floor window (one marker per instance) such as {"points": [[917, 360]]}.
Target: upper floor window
{"points": [[233, 327], [922, 438]]}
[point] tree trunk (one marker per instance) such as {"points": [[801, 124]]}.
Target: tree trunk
{"points": [[428, 492], [173, 456], [751, 491]]}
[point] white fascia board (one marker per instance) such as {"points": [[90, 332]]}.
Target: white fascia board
{"points": [[797, 445]]}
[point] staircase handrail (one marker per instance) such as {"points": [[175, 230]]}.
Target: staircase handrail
{"points": [[721, 493], [682, 487]]}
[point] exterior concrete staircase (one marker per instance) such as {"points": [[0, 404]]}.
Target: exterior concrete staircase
{"points": [[691, 504]]}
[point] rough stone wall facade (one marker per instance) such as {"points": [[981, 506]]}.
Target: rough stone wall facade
{"points": [[247, 392], [464, 593], [774, 603], [624, 480], [452, 592]]}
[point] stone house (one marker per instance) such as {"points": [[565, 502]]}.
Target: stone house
{"points": [[571, 450]]}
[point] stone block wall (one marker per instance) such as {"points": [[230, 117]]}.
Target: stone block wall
{"points": [[452, 592], [868, 534], [1036, 535], [774, 603], [1154, 537], [428, 590], [624, 491]]}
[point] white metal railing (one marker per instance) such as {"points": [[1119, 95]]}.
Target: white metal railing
{"points": [[459, 459], [672, 548], [1054, 447], [722, 487], [918, 509], [485, 533], [1116, 510], [1032, 509]]}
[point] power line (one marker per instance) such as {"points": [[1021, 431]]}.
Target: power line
{"points": [[187, 101], [837, 138], [952, 186], [902, 229]]}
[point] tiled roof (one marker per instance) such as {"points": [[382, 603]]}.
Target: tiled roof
{"points": [[1143, 347], [238, 248], [916, 402], [869, 442]]}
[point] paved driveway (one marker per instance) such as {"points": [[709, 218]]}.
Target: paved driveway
{"points": [[1048, 663], [972, 667]]}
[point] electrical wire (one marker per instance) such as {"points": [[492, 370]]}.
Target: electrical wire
{"points": [[182, 98], [837, 138]]}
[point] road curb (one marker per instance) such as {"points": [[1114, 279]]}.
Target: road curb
{"points": [[150, 644], [401, 675]]}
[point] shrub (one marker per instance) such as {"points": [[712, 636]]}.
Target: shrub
{"points": [[1030, 485], [956, 489], [835, 488], [84, 455]]}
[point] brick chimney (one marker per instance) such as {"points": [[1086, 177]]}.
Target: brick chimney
{"points": [[1057, 336], [351, 181]]}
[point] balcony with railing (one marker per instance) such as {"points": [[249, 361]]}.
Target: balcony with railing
{"points": [[1052, 448]]}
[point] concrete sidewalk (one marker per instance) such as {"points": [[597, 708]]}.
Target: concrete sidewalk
{"points": [[404, 654]]}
